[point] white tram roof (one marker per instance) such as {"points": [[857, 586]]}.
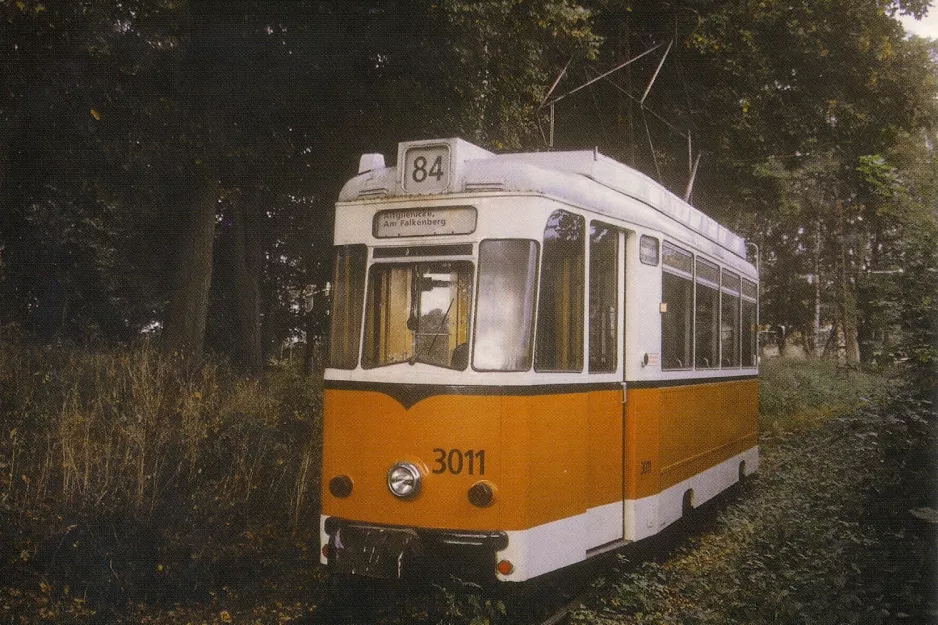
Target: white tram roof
{"points": [[578, 177]]}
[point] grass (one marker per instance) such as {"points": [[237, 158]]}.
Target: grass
{"points": [[797, 393], [135, 488], [126, 475]]}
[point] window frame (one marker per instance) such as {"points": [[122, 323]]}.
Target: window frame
{"points": [[353, 303], [535, 268], [617, 272], [751, 298], [728, 291], [384, 270], [686, 274], [643, 248], [576, 308], [712, 283]]}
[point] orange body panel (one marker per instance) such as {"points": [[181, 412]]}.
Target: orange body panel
{"points": [[641, 443], [535, 453], [549, 456], [673, 433], [604, 467]]}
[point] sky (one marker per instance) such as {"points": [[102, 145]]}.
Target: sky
{"points": [[925, 27]]}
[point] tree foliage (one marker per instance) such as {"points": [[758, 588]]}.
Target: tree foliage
{"points": [[122, 122]]}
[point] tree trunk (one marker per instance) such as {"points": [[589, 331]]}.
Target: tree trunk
{"points": [[851, 339], [248, 265], [186, 313], [315, 328], [848, 301], [871, 328], [817, 347]]}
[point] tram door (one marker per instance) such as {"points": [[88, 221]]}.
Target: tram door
{"points": [[606, 420]]}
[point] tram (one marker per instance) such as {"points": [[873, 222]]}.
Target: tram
{"points": [[533, 358]]}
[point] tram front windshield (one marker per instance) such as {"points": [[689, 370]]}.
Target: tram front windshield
{"points": [[418, 312]]}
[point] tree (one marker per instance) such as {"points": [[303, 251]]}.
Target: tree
{"points": [[72, 223], [124, 123], [175, 162], [899, 287], [775, 91]]}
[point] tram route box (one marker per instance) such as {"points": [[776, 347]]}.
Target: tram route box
{"points": [[427, 167]]}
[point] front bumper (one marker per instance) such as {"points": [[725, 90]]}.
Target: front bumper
{"points": [[393, 552]]}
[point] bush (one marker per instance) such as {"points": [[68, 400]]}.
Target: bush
{"points": [[807, 392]]}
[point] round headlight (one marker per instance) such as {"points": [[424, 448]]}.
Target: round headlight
{"points": [[404, 480]]}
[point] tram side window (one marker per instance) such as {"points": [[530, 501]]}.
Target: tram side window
{"points": [[729, 320], [603, 297], [505, 306], [559, 345], [648, 250], [749, 321], [677, 298], [348, 293], [707, 315]]}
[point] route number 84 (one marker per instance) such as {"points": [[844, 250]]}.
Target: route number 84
{"points": [[427, 169], [421, 172]]}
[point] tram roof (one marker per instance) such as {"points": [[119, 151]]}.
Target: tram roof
{"points": [[580, 177]]}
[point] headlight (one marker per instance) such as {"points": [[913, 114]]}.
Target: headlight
{"points": [[404, 480]]}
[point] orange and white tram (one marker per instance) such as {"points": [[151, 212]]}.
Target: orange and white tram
{"points": [[534, 358]]}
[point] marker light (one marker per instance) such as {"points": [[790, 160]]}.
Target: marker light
{"points": [[481, 494], [505, 567], [404, 480], [340, 486]]}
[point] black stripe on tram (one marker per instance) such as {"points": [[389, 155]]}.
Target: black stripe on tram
{"points": [[460, 249], [410, 394], [691, 381]]}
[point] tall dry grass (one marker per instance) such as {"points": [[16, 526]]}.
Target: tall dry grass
{"points": [[132, 433]]}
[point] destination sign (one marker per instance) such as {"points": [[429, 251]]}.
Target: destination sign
{"points": [[425, 222]]}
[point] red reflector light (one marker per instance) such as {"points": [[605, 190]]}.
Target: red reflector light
{"points": [[481, 494], [325, 551], [340, 486], [505, 567]]}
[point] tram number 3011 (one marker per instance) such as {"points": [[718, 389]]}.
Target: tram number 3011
{"points": [[455, 461]]}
